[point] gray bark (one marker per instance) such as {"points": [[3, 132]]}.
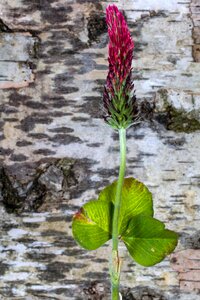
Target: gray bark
{"points": [[57, 153]]}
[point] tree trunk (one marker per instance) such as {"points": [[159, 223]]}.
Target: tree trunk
{"points": [[57, 153]]}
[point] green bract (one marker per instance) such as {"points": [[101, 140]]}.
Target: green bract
{"points": [[146, 238]]}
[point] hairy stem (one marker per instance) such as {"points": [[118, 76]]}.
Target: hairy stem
{"points": [[115, 260]]}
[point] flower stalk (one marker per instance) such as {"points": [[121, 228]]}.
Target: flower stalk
{"points": [[115, 259]]}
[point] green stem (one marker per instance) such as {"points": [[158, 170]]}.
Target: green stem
{"points": [[115, 260]]}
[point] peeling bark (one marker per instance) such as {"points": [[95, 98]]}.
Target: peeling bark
{"points": [[16, 56], [195, 17]]}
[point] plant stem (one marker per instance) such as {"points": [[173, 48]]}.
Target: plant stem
{"points": [[115, 260]]}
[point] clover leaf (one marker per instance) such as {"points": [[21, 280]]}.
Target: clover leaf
{"points": [[136, 199], [91, 226], [147, 240]]}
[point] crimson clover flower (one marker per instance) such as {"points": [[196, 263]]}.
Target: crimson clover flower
{"points": [[120, 107]]}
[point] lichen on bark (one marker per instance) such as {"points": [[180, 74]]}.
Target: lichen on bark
{"points": [[176, 119]]}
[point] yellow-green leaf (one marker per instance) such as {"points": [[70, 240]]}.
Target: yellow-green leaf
{"points": [[147, 240], [91, 226], [136, 199]]}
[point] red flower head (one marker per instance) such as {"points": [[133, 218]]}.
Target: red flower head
{"points": [[119, 100]]}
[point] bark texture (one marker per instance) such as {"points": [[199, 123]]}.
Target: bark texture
{"points": [[56, 153]]}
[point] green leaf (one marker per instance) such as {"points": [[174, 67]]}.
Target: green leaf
{"points": [[136, 199], [91, 226], [147, 240]]}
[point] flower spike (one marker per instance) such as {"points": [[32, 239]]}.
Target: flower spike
{"points": [[120, 107]]}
